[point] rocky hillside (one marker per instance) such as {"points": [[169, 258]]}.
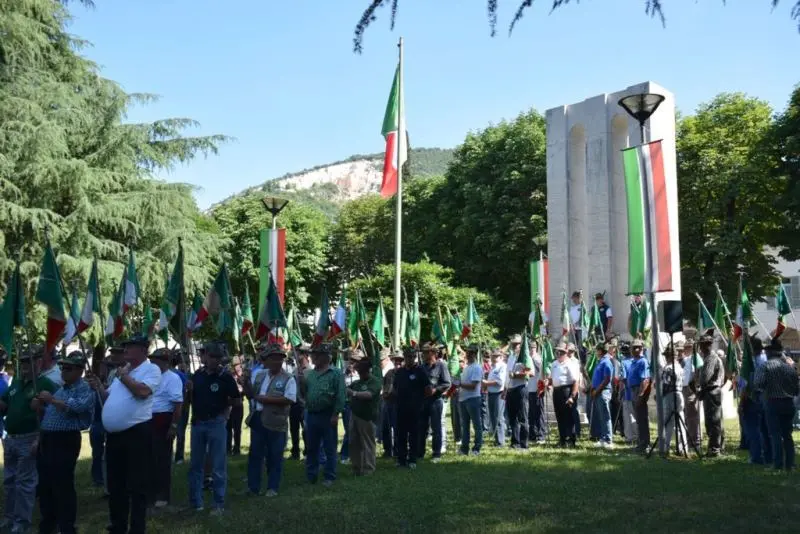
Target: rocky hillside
{"points": [[331, 184]]}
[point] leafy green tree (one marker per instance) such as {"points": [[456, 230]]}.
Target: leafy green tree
{"points": [[437, 289], [783, 146], [726, 199], [70, 166], [653, 8], [307, 232], [362, 238]]}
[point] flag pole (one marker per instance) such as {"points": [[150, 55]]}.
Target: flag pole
{"points": [[711, 318], [398, 241]]}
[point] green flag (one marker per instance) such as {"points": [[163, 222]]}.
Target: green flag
{"points": [[379, 324], [595, 323], [148, 322], [356, 319], [414, 328], [437, 330], [585, 322], [548, 356], [748, 362], [471, 319], [238, 323], [730, 359], [12, 313], [524, 357], [247, 312], [704, 321], [72, 319], [591, 363], [293, 327], [48, 292], [645, 318], [633, 322], [721, 314]]}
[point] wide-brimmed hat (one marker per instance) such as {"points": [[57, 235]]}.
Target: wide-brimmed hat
{"points": [[216, 349], [428, 347], [562, 347], [705, 338], [516, 339], [385, 353], [275, 351], [75, 358], [138, 340], [398, 355], [161, 354], [322, 348], [600, 347], [357, 355]]}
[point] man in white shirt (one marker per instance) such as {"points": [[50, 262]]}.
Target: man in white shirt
{"points": [[127, 418], [469, 401], [167, 411], [537, 422], [517, 396], [565, 378], [692, 406], [575, 317], [672, 396], [495, 384]]}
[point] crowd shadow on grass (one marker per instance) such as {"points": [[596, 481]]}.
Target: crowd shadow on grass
{"points": [[500, 491]]}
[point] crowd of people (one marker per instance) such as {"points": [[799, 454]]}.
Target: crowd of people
{"points": [[139, 405]]}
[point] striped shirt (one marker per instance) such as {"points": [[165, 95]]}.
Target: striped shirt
{"points": [[79, 398], [777, 379], [712, 374], [324, 392]]}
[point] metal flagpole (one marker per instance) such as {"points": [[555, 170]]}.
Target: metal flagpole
{"points": [[398, 240]]}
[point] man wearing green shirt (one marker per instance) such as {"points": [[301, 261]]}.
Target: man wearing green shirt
{"points": [[324, 394], [20, 477], [364, 395]]}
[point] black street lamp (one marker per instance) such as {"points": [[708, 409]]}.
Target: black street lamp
{"points": [[641, 107], [274, 205]]}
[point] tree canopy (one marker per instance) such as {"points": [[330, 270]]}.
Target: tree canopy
{"points": [[653, 8], [73, 167]]}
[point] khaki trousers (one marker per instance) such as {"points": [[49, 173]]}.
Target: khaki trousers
{"points": [[362, 445]]}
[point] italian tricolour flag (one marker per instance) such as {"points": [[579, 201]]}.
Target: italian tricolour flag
{"points": [[394, 131], [49, 293], [273, 261], [648, 219], [91, 304], [131, 296], [339, 318]]}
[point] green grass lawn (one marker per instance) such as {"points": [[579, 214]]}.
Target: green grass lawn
{"points": [[541, 490]]}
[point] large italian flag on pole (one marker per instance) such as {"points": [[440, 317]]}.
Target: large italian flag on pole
{"points": [[131, 296], [273, 260], [540, 280], [395, 138], [648, 220]]}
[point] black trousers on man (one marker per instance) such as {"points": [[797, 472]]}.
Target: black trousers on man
{"points": [[517, 402], [564, 415], [296, 425], [407, 434], [58, 502], [129, 458], [234, 429], [162, 457]]}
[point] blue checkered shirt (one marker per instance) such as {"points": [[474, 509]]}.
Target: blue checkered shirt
{"points": [[79, 398]]}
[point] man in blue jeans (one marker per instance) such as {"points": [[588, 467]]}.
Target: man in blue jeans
{"points": [[469, 400], [274, 392], [777, 378], [431, 420], [212, 391], [638, 380], [601, 393], [325, 396]]}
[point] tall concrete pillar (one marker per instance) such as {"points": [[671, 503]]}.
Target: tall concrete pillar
{"points": [[586, 207]]}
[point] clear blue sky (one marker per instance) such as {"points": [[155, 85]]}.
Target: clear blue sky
{"points": [[281, 76]]}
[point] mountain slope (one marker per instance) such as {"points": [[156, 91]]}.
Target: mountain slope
{"points": [[327, 186]]}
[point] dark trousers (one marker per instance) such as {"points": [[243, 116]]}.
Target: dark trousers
{"points": [[616, 411], [56, 459], [485, 419], [753, 418], [576, 417], [780, 414], [712, 409], [537, 420], [389, 428], [97, 440], [234, 429], [407, 434], [180, 437], [517, 402], [296, 425], [564, 415], [497, 418], [162, 457], [129, 458], [642, 419], [431, 421]]}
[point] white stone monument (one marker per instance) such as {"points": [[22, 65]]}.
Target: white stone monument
{"points": [[586, 207]]}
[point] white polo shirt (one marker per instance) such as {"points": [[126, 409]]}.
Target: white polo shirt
{"points": [[533, 382], [122, 410], [499, 374], [514, 368], [169, 391], [564, 374]]}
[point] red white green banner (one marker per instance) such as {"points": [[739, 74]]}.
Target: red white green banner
{"points": [[394, 132], [273, 260], [49, 293], [91, 304], [540, 281], [649, 228]]}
